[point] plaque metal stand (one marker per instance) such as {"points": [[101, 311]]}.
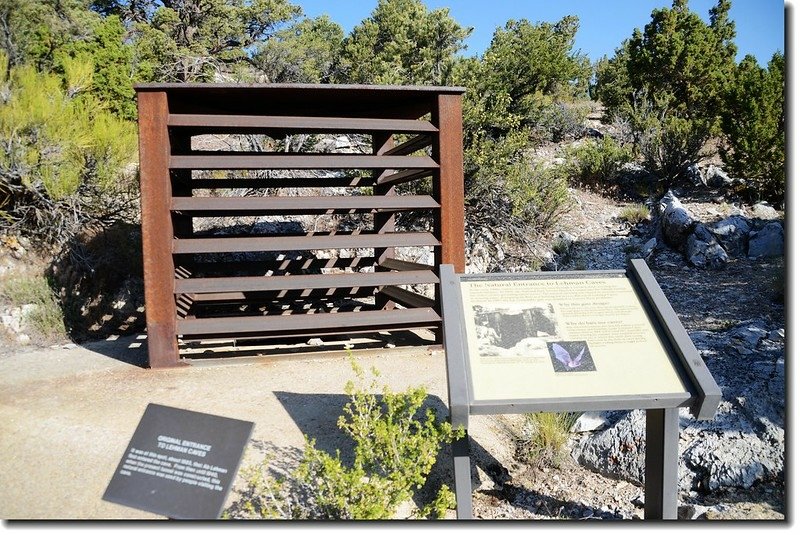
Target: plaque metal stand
{"points": [[472, 377]]}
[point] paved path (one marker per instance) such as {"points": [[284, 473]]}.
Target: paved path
{"points": [[66, 415]]}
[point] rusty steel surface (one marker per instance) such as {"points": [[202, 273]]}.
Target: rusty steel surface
{"points": [[154, 146], [216, 206], [248, 123], [299, 282], [302, 322], [309, 161], [220, 293]]}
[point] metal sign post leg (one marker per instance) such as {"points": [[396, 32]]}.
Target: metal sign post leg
{"points": [[661, 464], [463, 478]]}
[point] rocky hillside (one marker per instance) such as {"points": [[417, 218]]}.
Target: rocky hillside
{"points": [[720, 263], [732, 304]]}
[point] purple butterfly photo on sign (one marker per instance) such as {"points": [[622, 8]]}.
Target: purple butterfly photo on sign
{"points": [[571, 356]]}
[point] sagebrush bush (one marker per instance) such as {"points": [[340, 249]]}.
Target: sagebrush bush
{"points": [[62, 154], [558, 121], [396, 446], [596, 163]]}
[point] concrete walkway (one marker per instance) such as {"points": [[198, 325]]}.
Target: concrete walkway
{"points": [[66, 415]]}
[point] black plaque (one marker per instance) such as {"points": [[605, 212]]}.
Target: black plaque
{"points": [[179, 463]]}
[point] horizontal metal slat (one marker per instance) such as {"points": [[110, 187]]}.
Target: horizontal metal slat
{"points": [[251, 297], [412, 145], [300, 322], [288, 182], [303, 243], [300, 282], [407, 298], [402, 265], [301, 205], [299, 161], [236, 123], [402, 177], [292, 265]]}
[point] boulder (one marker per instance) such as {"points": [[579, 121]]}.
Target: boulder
{"points": [[767, 242], [703, 250], [717, 178], [743, 445], [732, 233], [695, 175], [676, 223], [765, 212]]}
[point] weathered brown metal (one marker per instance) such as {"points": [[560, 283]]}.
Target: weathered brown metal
{"points": [[411, 146], [401, 177], [247, 123], [289, 182], [449, 181], [402, 265], [303, 243], [219, 295], [299, 282], [162, 341], [216, 206], [318, 322], [407, 298], [307, 161]]}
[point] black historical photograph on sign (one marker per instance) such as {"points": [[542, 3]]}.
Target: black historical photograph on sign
{"points": [[571, 356], [514, 330], [180, 463]]}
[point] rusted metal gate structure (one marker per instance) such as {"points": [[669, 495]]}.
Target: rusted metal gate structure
{"points": [[189, 298]]}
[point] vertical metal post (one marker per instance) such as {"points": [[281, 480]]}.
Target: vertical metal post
{"points": [[448, 188], [383, 222], [448, 185], [661, 464], [157, 232], [457, 388]]}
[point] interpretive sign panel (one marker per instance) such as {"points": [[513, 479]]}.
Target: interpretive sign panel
{"points": [[179, 463], [573, 341], [563, 336]]}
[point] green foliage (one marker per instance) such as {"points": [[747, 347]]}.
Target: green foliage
{"points": [[199, 40], [402, 43], [545, 437], [557, 121], [668, 81], [511, 100], [635, 214], [526, 60], [395, 450], [59, 35], [45, 318], [302, 53], [596, 163], [539, 195], [753, 126], [60, 152]]}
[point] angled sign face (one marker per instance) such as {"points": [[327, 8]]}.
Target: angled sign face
{"points": [[179, 463], [573, 341], [567, 335]]}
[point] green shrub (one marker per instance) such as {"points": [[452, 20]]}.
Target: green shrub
{"points": [[539, 196], [635, 213], [46, 320], [596, 163], [558, 121], [396, 446], [544, 438], [62, 154], [753, 126]]}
